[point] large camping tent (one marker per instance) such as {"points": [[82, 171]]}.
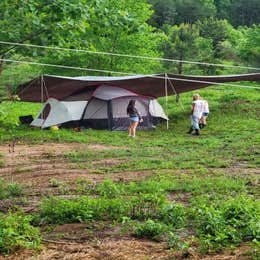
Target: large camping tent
{"points": [[106, 109], [142, 87]]}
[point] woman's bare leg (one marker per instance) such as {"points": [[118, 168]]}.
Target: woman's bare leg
{"points": [[134, 125], [130, 130], [203, 120]]}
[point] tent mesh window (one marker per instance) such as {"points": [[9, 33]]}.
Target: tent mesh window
{"points": [[121, 120], [45, 112], [96, 114]]}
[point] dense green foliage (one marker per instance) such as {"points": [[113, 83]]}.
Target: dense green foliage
{"points": [[16, 232], [237, 12], [218, 220], [223, 31], [232, 221], [11, 189]]}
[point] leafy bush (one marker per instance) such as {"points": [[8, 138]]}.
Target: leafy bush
{"points": [[173, 214], [12, 189], [231, 222], [16, 232], [143, 206], [174, 242], [55, 210], [151, 229], [109, 189], [113, 209], [243, 213]]}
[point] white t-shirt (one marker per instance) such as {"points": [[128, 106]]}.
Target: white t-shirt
{"points": [[198, 108], [205, 106]]}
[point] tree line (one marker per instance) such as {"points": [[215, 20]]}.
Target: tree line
{"points": [[214, 31]]}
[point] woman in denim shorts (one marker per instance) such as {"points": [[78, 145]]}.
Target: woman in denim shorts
{"points": [[134, 116]]}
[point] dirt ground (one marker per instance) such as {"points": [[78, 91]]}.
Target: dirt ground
{"points": [[34, 166], [37, 164]]}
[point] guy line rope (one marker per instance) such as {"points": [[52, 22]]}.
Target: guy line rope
{"points": [[127, 55], [125, 73]]}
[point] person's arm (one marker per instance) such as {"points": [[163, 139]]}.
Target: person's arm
{"points": [[193, 108]]}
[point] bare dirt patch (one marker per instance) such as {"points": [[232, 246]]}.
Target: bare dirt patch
{"points": [[35, 165], [106, 249], [124, 249], [38, 167]]}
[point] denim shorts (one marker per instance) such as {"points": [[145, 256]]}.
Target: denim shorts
{"points": [[195, 122], [134, 118]]}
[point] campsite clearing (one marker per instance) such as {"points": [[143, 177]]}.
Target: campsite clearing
{"points": [[101, 195]]}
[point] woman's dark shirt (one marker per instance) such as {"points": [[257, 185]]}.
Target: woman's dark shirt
{"points": [[132, 111]]}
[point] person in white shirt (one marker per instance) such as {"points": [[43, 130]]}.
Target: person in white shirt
{"points": [[205, 114], [196, 114]]}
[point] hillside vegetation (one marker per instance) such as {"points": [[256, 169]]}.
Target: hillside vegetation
{"points": [[211, 31]]}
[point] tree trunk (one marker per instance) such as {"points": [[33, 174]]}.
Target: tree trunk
{"points": [[180, 68], [112, 49]]}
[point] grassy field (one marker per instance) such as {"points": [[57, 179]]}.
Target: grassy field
{"points": [[188, 196]]}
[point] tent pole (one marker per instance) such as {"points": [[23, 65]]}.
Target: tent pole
{"points": [[41, 89], [42, 98], [166, 97], [46, 89], [175, 92]]}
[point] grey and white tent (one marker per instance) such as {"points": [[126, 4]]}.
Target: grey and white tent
{"points": [[105, 109], [55, 112]]}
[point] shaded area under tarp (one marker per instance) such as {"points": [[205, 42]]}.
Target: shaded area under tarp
{"points": [[81, 88]]}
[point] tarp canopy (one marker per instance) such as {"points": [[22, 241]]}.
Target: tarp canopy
{"points": [[81, 88]]}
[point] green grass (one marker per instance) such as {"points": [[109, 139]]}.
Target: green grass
{"points": [[25, 169]]}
